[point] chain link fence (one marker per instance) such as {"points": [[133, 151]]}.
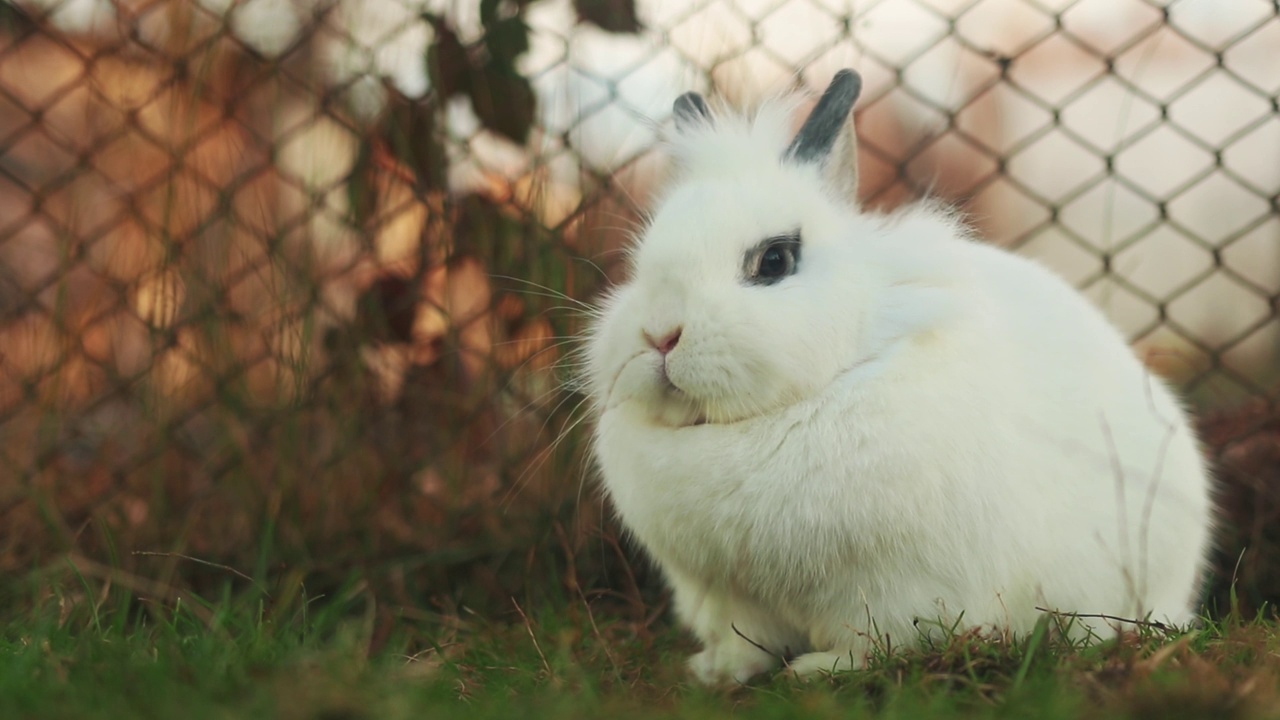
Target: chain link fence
{"points": [[293, 276]]}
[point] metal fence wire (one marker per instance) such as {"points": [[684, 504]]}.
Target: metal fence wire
{"points": [[315, 261]]}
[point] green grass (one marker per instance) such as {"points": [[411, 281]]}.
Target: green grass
{"points": [[88, 651]]}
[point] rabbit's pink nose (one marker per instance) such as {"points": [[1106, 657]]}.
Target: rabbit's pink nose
{"points": [[666, 344]]}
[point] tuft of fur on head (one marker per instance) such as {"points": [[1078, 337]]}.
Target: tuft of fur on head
{"points": [[733, 143]]}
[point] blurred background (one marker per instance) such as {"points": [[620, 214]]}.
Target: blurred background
{"points": [[287, 286]]}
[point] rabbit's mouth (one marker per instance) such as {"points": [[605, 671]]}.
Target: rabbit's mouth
{"points": [[676, 407], [693, 421], [666, 402]]}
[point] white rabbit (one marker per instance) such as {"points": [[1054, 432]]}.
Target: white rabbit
{"points": [[824, 424]]}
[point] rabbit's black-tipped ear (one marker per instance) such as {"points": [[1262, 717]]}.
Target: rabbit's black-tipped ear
{"points": [[690, 109], [829, 137], [818, 135]]}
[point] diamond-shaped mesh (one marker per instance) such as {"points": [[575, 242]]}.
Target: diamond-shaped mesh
{"points": [[230, 288]]}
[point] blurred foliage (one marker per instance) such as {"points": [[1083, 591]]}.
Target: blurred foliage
{"points": [[618, 16], [487, 73]]}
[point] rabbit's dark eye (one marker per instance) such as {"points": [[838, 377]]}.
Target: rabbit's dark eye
{"points": [[776, 262], [775, 259]]}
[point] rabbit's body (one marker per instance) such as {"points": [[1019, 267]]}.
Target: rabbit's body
{"points": [[912, 426]]}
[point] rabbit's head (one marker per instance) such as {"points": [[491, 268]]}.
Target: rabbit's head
{"points": [[744, 295]]}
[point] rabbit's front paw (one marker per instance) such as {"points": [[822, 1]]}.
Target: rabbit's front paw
{"points": [[722, 663], [815, 664]]}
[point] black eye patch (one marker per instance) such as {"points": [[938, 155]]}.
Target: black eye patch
{"points": [[773, 259]]}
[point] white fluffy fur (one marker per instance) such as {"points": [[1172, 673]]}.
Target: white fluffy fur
{"points": [[914, 426]]}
